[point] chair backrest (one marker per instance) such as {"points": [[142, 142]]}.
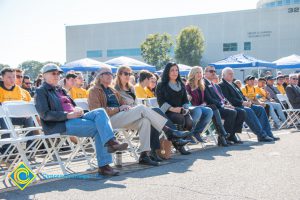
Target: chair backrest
{"points": [[19, 109], [82, 103], [284, 100]]}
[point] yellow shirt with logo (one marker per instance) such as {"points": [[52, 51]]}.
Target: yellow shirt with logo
{"points": [[281, 89], [140, 92], [150, 94], [16, 94], [78, 93], [249, 92]]}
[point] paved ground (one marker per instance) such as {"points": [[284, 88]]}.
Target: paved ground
{"points": [[249, 171]]}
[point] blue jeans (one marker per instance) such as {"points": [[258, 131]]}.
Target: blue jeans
{"points": [[257, 120], [201, 117], [95, 124]]}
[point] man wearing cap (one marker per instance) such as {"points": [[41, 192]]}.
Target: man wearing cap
{"points": [[10, 91], [59, 114], [293, 91], [271, 88], [250, 92], [264, 96], [280, 87]]}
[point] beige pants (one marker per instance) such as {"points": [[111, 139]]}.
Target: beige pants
{"points": [[139, 118]]}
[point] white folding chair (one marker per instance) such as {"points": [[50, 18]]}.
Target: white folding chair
{"points": [[292, 114], [82, 103]]}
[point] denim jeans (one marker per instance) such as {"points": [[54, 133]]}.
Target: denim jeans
{"points": [[276, 107], [257, 120], [95, 124], [201, 117]]}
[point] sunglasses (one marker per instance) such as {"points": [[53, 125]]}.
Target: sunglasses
{"points": [[294, 79], [55, 73], [27, 83], [212, 71], [127, 73], [106, 73], [19, 76]]}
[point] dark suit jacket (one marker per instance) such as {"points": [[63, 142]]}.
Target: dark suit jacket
{"points": [[210, 96], [234, 96], [294, 96]]}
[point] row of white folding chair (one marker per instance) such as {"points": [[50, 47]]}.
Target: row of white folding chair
{"points": [[292, 114], [16, 148]]}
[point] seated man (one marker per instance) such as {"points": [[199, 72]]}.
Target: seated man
{"points": [[144, 81], [10, 91], [256, 116], [69, 82], [233, 118], [293, 91], [59, 115], [275, 108], [27, 85], [271, 89], [78, 92], [139, 118]]}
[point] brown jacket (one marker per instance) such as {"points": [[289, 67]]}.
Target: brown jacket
{"points": [[97, 99]]}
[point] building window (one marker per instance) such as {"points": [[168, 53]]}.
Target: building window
{"points": [[94, 54], [247, 46], [296, 1], [123, 52], [279, 3], [287, 2], [229, 46]]}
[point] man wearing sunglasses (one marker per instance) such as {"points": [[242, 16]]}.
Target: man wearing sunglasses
{"points": [[27, 85], [293, 91]]}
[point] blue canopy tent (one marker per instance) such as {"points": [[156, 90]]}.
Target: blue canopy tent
{"points": [[289, 62], [183, 70], [242, 61], [135, 65], [86, 65]]}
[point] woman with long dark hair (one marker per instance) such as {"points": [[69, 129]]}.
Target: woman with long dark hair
{"points": [[173, 100]]}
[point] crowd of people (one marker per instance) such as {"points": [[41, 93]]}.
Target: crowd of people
{"points": [[185, 107]]}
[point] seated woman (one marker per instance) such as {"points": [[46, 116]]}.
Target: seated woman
{"points": [[59, 114], [172, 99], [195, 88], [127, 92], [139, 118]]}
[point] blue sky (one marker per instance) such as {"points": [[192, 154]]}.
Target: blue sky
{"points": [[35, 29]]}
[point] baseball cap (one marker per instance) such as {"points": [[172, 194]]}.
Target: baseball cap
{"points": [[270, 78], [50, 67]]}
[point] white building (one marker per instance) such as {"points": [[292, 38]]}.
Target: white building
{"points": [[269, 32]]}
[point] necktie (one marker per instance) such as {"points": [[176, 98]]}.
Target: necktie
{"points": [[218, 93]]}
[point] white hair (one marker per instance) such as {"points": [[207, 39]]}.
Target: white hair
{"points": [[292, 75], [226, 70]]}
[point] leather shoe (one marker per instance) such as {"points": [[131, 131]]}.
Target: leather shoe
{"points": [[180, 134], [180, 142], [154, 156], [181, 149], [146, 160], [113, 146], [275, 138], [108, 171], [234, 139], [265, 139], [222, 141]]}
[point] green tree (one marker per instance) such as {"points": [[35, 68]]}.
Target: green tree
{"points": [[189, 46], [3, 65], [33, 68], [156, 49]]}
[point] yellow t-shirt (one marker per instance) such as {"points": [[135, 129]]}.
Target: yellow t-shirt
{"points": [[281, 89], [78, 93], [140, 92], [150, 94], [16, 94], [261, 92], [249, 92]]}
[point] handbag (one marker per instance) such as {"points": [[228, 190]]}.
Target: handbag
{"points": [[165, 150]]}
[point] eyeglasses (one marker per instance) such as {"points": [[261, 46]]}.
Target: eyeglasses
{"points": [[19, 76], [212, 71], [55, 73], [106, 73], [127, 73], [27, 83]]}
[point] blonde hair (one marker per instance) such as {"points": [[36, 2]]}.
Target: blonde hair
{"points": [[191, 78], [118, 82]]}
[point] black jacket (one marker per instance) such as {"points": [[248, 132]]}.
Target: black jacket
{"points": [[210, 96], [49, 107], [294, 96], [233, 95]]}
